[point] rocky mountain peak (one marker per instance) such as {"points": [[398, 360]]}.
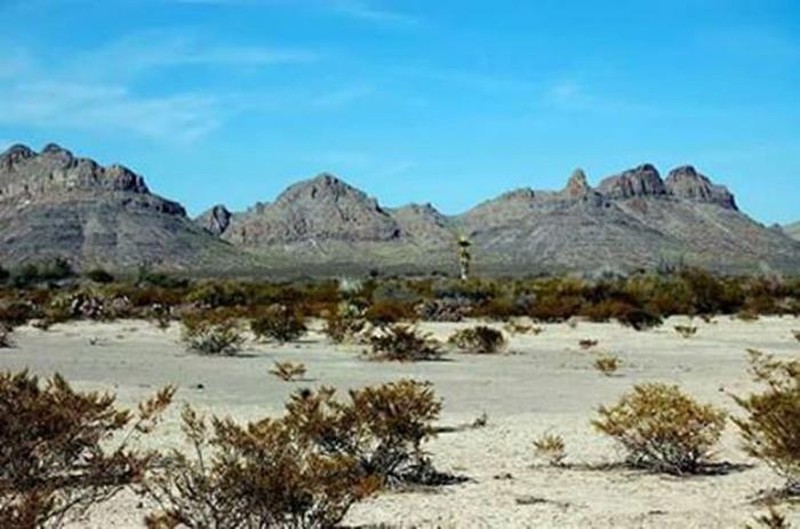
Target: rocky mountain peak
{"points": [[216, 220], [685, 182], [577, 185], [640, 181], [53, 149]]}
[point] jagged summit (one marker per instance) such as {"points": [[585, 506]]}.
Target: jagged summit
{"points": [[643, 180], [686, 182], [577, 185], [54, 204]]}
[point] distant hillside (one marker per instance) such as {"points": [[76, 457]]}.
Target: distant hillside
{"points": [[793, 230], [54, 204], [631, 220]]}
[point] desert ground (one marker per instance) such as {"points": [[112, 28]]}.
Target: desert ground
{"points": [[543, 383]]}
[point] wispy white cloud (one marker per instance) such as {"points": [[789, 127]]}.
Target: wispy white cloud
{"points": [[572, 95], [341, 97], [50, 103]]}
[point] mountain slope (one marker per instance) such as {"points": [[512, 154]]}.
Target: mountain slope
{"points": [[53, 204], [793, 230]]}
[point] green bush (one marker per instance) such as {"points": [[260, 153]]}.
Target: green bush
{"points": [[279, 323], [211, 334], [403, 343]]}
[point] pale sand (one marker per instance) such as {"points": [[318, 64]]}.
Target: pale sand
{"points": [[545, 384]]}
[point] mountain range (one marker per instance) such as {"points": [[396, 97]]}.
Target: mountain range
{"points": [[54, 204]]}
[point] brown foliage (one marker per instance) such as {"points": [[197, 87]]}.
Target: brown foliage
{"points": [[280, 323], [288, 371], [551, 447], [771, 429], [211, 333], [303, 470], [686, 331], [478, 340], [662, 429], [607, 364], [403, 343], [62, 451]]}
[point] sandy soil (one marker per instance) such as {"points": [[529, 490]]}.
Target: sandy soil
{"points": [[545, 383]]}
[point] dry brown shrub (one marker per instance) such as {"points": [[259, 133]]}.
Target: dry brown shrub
{"points": [[588, 343], [662, 429], [771, 520], [62, 451], [686, 331], [403, 343], [478, 340], [388, 311], [211, 334], [280, 323], [771, 429], [796, 335], [607, 364], [288, 371], [344, 324], [303, 470]]}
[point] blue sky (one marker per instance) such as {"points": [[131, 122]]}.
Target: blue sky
{"points": [[450, 101]]}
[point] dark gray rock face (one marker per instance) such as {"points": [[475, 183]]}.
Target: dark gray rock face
{"points": [[685, 182], [54, 204], [642, 181], [216, 220], [318, 210]]}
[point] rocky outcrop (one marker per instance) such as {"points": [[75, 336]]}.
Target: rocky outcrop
{"points": [[320, 209], [54, 204], [685, 182], [216, 220], [643, 181], [577, 185]]}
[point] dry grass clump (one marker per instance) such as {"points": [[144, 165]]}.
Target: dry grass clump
{"points": [[303, 470], [5, 336], [478, 340], [686, 331], [771, 520], [662, 429], [288, 371], [551, 448], [62, 451], [280, 323], [514, 327], [607, 364], [771, 429], [344, 323], [403, 343], [211, 334], [588, 343]]}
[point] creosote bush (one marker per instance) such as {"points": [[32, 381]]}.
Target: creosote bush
{"points": [[403, 343], [607, 364], [686, 331], [211, 334], [288, 371], [280, 323], [478, 340], [303, 470], [771, 428], [63, 451], [662, 429]]}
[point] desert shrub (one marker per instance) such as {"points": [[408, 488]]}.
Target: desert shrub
{"points": [[404, 344], [62, 451], [279, 323], [209, 334], [5, 336], [344, 323], [587, 343], [686, 331], [288, 371], [607, 364], [796, 335], [302, 470], [639, 319], [662, 429], [478, 340], [99, 275], [771, 520], [388, 311], [771, 429], [551, 448], [17, 313], [262, 474]]}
